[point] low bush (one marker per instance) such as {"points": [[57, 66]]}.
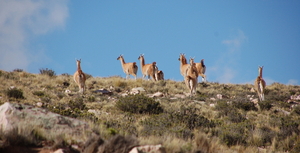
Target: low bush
{"points": [[244, 104], [288, 127], [139, 104], [18, 70], [15, 93], [77, 103], [234, 134], [48, 72], [265, 105], [235, 116], [223, 107], [296, 110]]}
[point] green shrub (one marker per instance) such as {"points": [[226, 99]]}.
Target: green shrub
{"points": [[189, 116], [235, 116], [180, 123], [265, 105], [297, 110], [223, 107], [139, 104], [48, 72], [157, 125], [267, 134], [77, 103], [15, 93], [288, 127], [243, 104], [233, 134], [121, 84], [91, 99]]}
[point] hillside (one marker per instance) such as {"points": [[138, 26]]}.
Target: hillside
{"points": [[219, 118]]}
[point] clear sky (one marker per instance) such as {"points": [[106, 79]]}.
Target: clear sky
{"points": [[234, 37]]}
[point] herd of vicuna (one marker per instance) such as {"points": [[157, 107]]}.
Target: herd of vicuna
{"points": [[190, 73]]}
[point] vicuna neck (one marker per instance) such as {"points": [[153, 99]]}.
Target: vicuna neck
{"points": [[122, 60], [78, 66], [142, 60], [183, 60], [260, 72]]}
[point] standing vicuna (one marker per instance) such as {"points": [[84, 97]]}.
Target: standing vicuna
{"points": [[201, 68], [191, 78], [79, 77], [148, 69], [128, 68], [260, 84], [183, 64]]}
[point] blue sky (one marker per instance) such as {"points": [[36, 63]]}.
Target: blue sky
{"points": [[234, 37]]}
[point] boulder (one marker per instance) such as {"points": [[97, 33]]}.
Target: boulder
{"points": [[14, 115], [137, 90], [157, 94]]}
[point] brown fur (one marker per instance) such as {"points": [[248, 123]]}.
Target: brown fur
{"points": [[191, 78], [183, 64], [79, 77], [128, 68], [149, 70], [260, 84]]}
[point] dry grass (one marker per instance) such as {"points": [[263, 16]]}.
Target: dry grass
{"points": [[232, 124]]}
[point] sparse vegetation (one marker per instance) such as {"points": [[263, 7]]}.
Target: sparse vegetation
{"points": [[203, 123]]}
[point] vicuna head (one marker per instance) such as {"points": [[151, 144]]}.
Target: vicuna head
{"points": [[260, 69], [182, 58]]}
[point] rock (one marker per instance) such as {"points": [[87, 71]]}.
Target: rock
{"points": [[220, 96], [139, 89], [67, 91], [284, 112], [148, 149], [157, 94], [180, 95], [212, 105], [255, 101], [295, 97], [250, 96], [39, 104], [213, 99], [124, 94], [14, 115]]}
